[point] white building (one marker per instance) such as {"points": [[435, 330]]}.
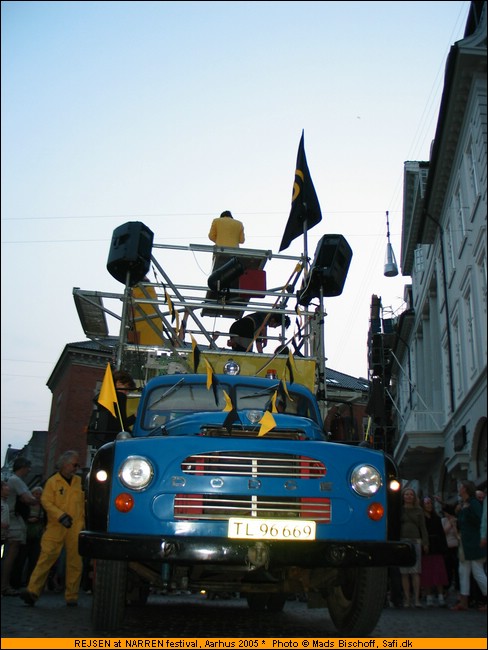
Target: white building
{"points": [[438, 360]]}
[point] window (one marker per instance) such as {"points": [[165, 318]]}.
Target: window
{"points": [[471, 167]]}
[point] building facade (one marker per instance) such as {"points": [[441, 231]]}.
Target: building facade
{"points": [[436, 362]]}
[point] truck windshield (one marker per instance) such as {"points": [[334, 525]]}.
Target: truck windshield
{"points": [[295, 404], [168, 403]]}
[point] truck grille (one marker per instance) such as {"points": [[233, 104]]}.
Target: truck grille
{"points": [[209, 506], [253, 465]]}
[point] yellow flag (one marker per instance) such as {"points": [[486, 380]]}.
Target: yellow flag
{"points": [[108, 395], [209, 374], [195, 353], [267, 423], [169, 303], [228, 402], [290, 363], [273, 402]]}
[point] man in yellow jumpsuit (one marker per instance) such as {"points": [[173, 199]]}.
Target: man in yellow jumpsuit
{"points": [[226, 231], [63, 502]]}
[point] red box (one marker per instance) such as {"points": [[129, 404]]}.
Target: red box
{"points": [[253, 279]]}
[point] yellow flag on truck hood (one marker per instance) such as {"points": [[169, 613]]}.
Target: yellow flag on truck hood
{"points": [[108, 394], [267, 423]]}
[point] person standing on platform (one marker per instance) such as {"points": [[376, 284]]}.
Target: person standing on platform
{"points": [[227, 231]]}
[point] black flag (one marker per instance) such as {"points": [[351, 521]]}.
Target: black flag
{"points": [[304, 203]]}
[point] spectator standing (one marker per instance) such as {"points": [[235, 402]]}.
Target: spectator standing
{"points": [[472, 554], [227, 231], [434, 575], [16, 537], [449, 523], [5, 513], [63, 502], [414, 531], [36, 523], [483, 525]]}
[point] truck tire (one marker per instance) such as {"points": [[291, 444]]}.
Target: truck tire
{"points": [[276, 602], [109, 594], [257, 602], [356, 604], [271, 602]]}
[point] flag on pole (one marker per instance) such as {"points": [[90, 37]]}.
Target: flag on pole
{"points": [[195, 350], [108, 395], [290, 364], [232, 414], [304, 204], [267, 423], [212, 381]]}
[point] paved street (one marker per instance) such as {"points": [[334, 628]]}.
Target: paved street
{"points": [[183, 616]]}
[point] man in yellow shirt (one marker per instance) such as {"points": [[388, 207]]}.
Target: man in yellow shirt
{"points": [[226, 231]]}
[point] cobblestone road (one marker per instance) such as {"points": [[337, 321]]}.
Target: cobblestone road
{"points": [[188, 616]]}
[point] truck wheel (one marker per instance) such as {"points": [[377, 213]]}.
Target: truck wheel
{"points": [[276, 602], [257, 602], [109, 594], [356, 604]]}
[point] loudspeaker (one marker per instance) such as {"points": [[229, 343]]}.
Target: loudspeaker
{"points": [[223, 277], [130, 252], [329, 269]]}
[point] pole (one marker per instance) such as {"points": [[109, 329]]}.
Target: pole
{"points": [[123, 323], [321, 388]]}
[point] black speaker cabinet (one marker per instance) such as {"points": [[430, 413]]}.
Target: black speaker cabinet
{"points": [[328, 271], [130, 252]]}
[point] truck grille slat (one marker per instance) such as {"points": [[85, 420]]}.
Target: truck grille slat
{"points": [[209, 506], [253, 465]]}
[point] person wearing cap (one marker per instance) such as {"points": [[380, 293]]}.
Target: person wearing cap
{"points": [[17, 532], [63, 501], [103, 426], [253, 326], [227, 231]]}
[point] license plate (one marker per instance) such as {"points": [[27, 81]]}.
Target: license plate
{"points": [[254, 528]]}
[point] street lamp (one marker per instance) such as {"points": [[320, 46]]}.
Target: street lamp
{"points": [[391, 268]]}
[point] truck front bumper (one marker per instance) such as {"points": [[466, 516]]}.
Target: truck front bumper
{"points": [[221, 551]]}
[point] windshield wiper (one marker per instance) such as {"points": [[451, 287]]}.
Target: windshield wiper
{"points": [[265, 391], [170, 391]]}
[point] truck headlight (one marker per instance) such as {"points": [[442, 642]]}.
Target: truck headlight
{"points": [[136, 472], [365, 480]]}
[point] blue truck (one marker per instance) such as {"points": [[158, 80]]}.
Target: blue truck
{"points": [[229, 483]]}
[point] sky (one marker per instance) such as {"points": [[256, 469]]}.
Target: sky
{"points": [[168, 113]]}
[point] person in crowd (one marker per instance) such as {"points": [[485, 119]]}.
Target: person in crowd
{"points": [[253, 326], [472, 554], [63, 501], [36, 523], [103, 426], [480, 495], [414, 531], [483, 525], [5, 513], [227, 231], [449, 524], [19, 494], [433, 577]]}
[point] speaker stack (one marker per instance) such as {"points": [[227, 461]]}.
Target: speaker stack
{"points": [[129, 258], [329, 269]]}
